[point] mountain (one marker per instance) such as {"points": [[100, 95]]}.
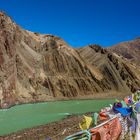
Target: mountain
{"points": [[114, 70], [129, 50], [41, 67]]}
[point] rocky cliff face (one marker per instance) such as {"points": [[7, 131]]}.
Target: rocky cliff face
{"points": [[39, 67], [8, 70]]}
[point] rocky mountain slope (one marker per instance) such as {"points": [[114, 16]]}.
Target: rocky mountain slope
{"points": [[113, 69], [129, 50], [40, 67]]}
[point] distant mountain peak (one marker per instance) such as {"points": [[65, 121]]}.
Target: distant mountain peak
{"points": [[138, 38], [129, 50]]}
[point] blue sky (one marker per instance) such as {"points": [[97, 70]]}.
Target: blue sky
{"points": [[79, 22]]}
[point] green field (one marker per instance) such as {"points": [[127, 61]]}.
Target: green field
{"points": [[30, 115]]}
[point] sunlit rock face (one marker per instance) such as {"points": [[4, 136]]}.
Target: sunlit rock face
{"points": [[40, 67]]}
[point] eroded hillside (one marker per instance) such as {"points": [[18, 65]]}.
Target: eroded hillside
{"points": [[40, 67]]}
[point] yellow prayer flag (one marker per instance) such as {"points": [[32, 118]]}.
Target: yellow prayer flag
{"points": [[134, 97], [86, 122]]}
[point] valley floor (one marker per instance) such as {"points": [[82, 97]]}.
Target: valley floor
{"points": [[55, 131]]}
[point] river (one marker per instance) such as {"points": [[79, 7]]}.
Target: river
{"points": [[29, 115]]}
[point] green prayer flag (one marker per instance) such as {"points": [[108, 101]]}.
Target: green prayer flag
{"points": [[116, 100], [95, 118], [123, 103]]}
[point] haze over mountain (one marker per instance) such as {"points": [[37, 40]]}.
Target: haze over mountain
{"points": [[40, 67]]}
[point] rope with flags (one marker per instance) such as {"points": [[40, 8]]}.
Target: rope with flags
{"points": [[118, 121]]}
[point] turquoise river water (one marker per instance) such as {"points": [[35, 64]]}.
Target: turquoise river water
{"points": [[29, 115]]}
